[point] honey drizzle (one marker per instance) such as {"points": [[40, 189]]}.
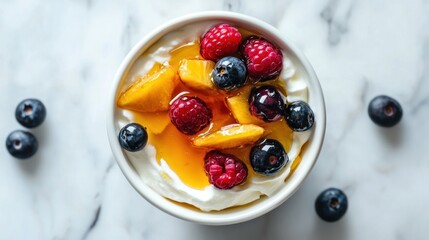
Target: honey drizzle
{"points": [[176, 148]]}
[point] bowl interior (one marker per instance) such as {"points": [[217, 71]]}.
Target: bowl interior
{"points": [[263, 205]]}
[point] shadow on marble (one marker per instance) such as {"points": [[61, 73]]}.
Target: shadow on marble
{"points": [[394, 135], [332, 231], [31, 165], [252, 230], [262, 228]]}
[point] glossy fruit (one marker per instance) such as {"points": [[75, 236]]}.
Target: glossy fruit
{"points": [[331, 204], [220, 41], [264, 60], [154, 122], [150, 93], [385, 111], [266, 103], [133, 137], [190, 114], [229, 73], [196, 74], [224, 170], [30, 113], [21, 144], [268, 157], [231, 136], [239, 107], [299, 116]]}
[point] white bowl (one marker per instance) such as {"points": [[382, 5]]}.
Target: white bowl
{"points": [[261, 206]]}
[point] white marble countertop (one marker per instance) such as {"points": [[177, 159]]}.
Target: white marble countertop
{"points": [[66, 53]]}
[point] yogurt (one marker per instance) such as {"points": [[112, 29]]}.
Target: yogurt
{"points": [[161, 178]]}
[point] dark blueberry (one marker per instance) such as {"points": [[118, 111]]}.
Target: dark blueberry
{"points": [[385, 111], [229, 73], [133, 137], [266, 103], [331, 204], [268, 157], [299, 116], [21, 144], [30, 113]]}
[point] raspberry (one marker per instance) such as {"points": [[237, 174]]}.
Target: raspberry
{"points": [[190, 114], [224, 170], [220, 41], [264, 60]]}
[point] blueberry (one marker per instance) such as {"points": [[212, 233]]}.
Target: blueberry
{"points": [[133, 137], [21, 144], [331, 204], [30, 113], [268, 157], [299, 116], [266, 103], [229, 73], [385, 111]]}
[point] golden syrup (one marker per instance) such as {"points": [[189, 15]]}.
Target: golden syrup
{"points": [[176, 148], [187, 51]]}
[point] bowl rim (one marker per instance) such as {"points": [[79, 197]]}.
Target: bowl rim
{"points": [[216, 218]]}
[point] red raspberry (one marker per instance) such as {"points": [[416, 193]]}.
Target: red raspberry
{"points": [[190, 114], [264, 60], [220, 41], [224, 170]]}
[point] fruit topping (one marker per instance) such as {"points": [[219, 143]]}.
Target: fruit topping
{"points": [[264, 60], [133, 137], [231, 136], [239, 107], [229, 73], [266, 103], [190, 114], [224, 170], [385, 111], [30, 113], [220, 41], [154, 122], [244, 119], [268, 157], [196, 74], [331, 204], [151, 93], [299, 116], [21, 144]]}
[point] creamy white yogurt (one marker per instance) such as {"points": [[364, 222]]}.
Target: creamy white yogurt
{"points": [[162, 179]]}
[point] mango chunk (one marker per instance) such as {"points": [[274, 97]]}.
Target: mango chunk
{"points": [[231, 136], [239, 106], [196, 74], [150, 93], [154, 122], [188, 51]]}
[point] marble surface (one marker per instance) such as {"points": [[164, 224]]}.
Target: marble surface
{"points": [[66, 53]]}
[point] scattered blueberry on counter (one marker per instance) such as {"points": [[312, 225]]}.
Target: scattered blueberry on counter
{"points": [[21, 144], [30, 113], [385, 111], [133, 137], [331, 204]]}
